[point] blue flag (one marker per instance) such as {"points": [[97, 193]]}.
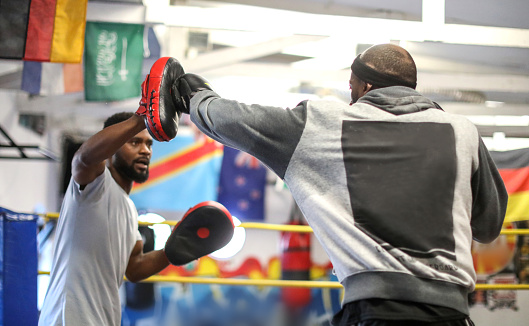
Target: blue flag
{"points": [[242, 185], [183, 173]]}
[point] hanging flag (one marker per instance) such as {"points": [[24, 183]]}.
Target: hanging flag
{"points": [[242, 185], [43, 30], [183, 172], [45, 78], [113, 61], [514, 170], [42, 78]]}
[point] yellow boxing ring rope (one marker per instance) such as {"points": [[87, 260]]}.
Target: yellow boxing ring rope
{"points": [[285, 283]]}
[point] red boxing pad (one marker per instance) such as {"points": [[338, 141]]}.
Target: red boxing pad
{"points": [[205, 228], [162, 117]]}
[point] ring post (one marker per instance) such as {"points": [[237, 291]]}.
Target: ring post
{"points": [[18, 268]]}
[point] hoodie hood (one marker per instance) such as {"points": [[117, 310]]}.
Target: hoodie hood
{"points": [[397, 100]]}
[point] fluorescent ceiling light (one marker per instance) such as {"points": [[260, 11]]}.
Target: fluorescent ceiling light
{"points": [[433, 12], [494, 104]]}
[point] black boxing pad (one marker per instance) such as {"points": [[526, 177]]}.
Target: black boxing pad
{"points": [[205, 228]]}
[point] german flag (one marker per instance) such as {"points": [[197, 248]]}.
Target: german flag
{"points": [[43, 30], [514, 170], [183, 173]]}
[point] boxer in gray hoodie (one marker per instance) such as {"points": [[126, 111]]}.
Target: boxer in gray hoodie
{"points": [[394, 188]]}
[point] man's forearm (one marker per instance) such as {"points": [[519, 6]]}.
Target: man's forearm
{"points": [[150, 263]]}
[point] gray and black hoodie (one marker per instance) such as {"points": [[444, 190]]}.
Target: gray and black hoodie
{"points": [[394, 188]]}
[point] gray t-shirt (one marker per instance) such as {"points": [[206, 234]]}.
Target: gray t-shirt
{"points": [[96, 232]]}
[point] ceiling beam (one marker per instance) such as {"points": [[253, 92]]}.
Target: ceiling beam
{"points": [[433, 64], [246, 18], [322, 7], [474, 82], [509, 131], [115, 12], [229, 56], [475, 109]]}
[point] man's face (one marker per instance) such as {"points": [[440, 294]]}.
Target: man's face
{"points": [[356, 86], [132, 159]]}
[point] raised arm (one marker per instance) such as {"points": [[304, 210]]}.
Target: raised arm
{"points": [[89, 161], [269, 133]]}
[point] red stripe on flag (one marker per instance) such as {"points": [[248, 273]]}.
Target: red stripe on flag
{"points": [[40, 30], [179, 161], [174, 163], [515, 180]]}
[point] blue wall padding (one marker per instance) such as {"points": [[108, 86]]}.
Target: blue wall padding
{"points": [[19, 268]]}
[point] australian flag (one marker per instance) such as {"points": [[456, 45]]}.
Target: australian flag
{"points": [[242, 185]]}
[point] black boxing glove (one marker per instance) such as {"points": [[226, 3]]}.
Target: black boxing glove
{"points": [[185, 88]]}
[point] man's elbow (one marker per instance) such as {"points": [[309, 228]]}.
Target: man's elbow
{"points": [[134, 278], [485, 236]]}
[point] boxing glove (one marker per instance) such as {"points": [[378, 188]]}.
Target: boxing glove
{"points": [[186, 86]]}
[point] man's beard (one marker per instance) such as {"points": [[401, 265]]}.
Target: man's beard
{"points": [[128, 170]]}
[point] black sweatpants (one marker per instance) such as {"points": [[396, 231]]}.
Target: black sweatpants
{"points": [[377, 322]]}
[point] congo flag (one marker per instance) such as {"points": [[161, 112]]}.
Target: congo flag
{"points": [[514, 170], [183, 173]]}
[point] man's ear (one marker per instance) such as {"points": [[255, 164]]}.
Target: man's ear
{"points": [[367, 87]]}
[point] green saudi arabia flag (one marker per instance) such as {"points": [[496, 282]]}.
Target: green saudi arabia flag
{"points": [[113, 61]]}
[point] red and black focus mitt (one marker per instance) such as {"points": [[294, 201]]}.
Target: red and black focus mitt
{"points": [[157, 104], [205, 228]]}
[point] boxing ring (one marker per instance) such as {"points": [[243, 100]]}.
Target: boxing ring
{"points": [[289, 283], [20, 267]]}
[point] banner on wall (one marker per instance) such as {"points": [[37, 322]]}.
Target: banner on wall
{"points": [[42, 30], [113, 61], [514, 170], [183, 173], [242, 185]]}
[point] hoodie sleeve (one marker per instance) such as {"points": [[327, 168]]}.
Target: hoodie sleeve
{"points": [[489, 198], [270, 134]]}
